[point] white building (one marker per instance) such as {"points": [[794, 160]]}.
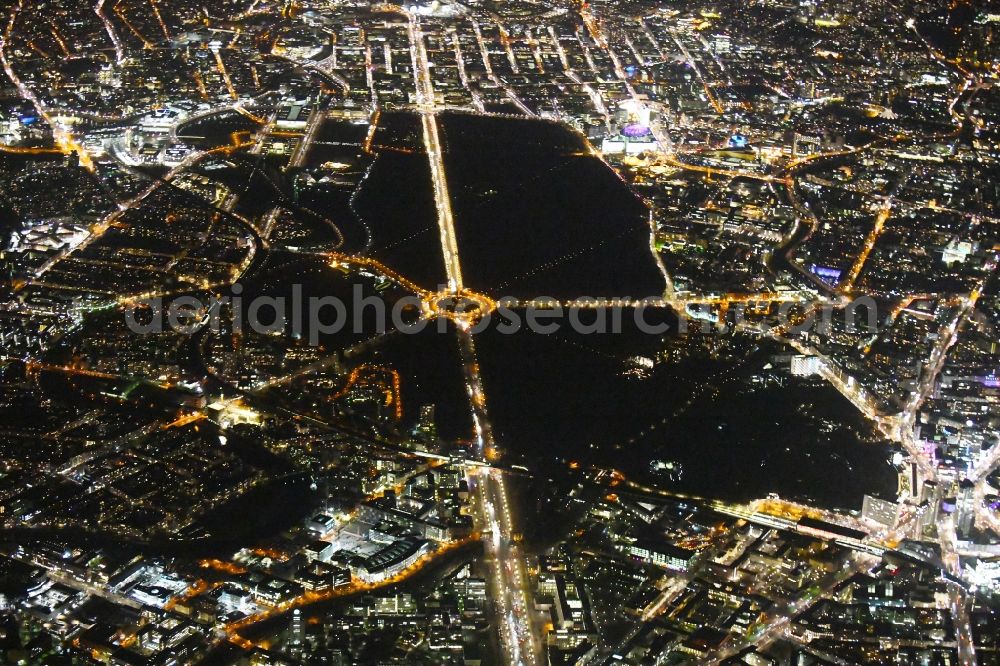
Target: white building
{"points": [[806, 366]]}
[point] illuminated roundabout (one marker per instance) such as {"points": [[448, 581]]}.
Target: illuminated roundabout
{"points": [[463, 307]]}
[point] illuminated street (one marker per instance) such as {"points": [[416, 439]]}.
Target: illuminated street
{"points": [[499, 332]]}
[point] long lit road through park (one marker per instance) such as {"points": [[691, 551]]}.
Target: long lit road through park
{"points": [[432, 143], [493, 513]]}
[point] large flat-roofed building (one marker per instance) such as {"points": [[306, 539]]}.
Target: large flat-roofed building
{"points": [[390, 560], [662, 554]]}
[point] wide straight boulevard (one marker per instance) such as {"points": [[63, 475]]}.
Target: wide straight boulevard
{"points": [[493, 512]]}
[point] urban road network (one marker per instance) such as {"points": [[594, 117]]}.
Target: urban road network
{"points": [[496, 522], [518, 630]]}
